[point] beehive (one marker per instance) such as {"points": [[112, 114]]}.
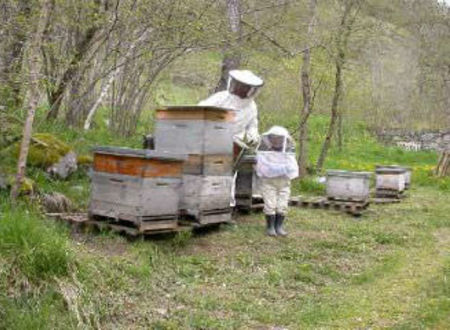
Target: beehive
{"points": [[390, 179], [348, 186], [205, 135], [407, 173], [194, 130], [136, 186]]}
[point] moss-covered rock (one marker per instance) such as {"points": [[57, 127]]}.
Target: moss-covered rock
{"points": [[45, 150]]}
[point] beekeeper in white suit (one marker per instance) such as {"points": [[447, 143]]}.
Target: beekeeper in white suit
{"points": [[243, 86], [276, 166]]}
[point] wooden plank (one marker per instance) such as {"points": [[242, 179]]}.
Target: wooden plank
{"points": [[157, 225], [208, 219], [134, 166], [198, 114]]}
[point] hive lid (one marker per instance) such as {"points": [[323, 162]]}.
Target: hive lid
{"points": [[139, 153], [194, 107], [390, 170], [349, 174], [406, 168]]}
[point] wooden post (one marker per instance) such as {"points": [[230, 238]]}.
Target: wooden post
{"points": [[33, 96], [443, 167]]}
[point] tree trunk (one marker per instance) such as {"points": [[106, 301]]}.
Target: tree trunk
{"points": [[232, 58], [306, 90], [340, 129], [343, 34], [104, 91], [13, 59], [112, 77], [334, 113], [33, 97], [56, 96]]}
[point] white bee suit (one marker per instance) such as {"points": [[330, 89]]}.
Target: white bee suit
{"points": [[246, 116], [245, 125], [276, 167]]}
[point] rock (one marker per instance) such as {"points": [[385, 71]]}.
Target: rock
{"points": [[65, 166], [46, 150], [56, 203]]}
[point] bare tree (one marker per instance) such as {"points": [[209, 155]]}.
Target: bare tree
{"points": [[33, 97], [351, 8], [306, 91]]}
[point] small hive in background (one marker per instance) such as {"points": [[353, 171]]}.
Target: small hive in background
{"points": [[348, 186], [390, 182], [407, 173], [205, 135], [136, 188]]}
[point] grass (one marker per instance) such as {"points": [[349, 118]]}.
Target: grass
{"points": [[387, 269]]}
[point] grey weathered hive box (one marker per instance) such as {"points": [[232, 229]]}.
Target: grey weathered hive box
{"points": [[346, 185], [407, 173], [206, 193], [194, 130], [138, 186], [390, 178]]}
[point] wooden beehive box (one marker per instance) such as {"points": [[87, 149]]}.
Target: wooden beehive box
{"points": [[348, 186], [196, 130], [138, 186], [390, 179], [215, 165], [206, 193], [407, 172]]}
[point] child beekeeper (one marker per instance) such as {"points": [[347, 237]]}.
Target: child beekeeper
{"points": [[276, 166]]}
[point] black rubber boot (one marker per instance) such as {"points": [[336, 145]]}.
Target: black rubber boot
{"points": [[271, 225], [279, 225]]}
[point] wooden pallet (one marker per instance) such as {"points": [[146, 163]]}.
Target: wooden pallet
{"points": [[80, 220], [132, 231], [355, 208], [392, 194], [75, 219], [207, 217]]}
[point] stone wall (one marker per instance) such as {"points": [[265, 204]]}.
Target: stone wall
{"points": [[413, 140]]}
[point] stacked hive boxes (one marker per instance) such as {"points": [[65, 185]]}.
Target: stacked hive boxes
{"points": [[348, 186], [137, 188], [391, 181], [204, 135]]}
